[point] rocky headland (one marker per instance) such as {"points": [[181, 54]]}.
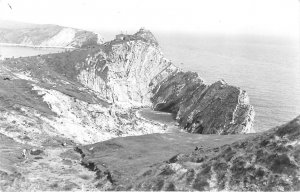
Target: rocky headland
{"points": [[35, 35], [64, 118]]}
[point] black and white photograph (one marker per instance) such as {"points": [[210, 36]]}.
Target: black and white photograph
{"points": [[149, 95]]}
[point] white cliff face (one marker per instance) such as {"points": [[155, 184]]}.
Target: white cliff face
{"points": [[100, 39], [90, 123], [129, 69], [49, 36], [77, 119], [139, 65], [62, 39], [89, 73]]}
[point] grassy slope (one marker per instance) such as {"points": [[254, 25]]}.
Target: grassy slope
{"points": [[11, 153], [57, 68], [125, 158], [269, 161], [50, 170]]}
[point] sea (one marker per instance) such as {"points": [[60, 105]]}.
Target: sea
{"points": [[8, 51], [268, 68]]}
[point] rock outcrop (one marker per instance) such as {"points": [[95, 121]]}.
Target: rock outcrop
{"points": [[208, 109], [48, 36]]}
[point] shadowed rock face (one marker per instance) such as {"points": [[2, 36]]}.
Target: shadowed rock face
{"points": [[206, 109], [268, 162]]}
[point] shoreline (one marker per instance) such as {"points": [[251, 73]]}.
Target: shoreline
{"points": [[169, 127]]}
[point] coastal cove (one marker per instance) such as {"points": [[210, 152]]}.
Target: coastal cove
{"points": [[168, 95], [251, 62], [85, 120]]}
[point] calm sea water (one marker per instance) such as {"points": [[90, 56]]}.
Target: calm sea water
{"points": [[268, 68], [15, 51]]}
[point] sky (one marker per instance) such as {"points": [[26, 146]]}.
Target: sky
{"points": [[265, 17]]}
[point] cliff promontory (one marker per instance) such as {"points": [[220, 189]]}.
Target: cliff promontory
{"points": [[208, 109], [47, 36]]}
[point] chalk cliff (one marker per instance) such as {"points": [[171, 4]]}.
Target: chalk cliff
{"points": [[132, 70], [47, 36], [123, 74]]}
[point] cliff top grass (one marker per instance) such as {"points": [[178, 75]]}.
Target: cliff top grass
{"points": [[128, 157]]}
